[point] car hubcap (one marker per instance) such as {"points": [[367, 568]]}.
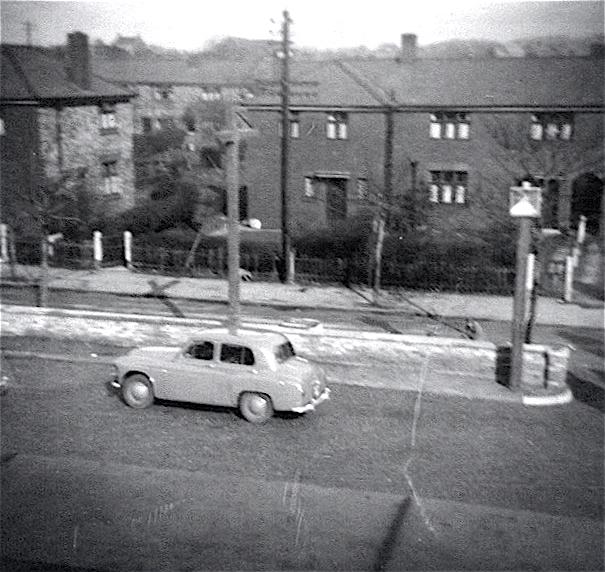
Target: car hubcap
{"points": [[138, 391], [258, 405]]}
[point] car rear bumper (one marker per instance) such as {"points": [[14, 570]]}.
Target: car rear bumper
{"points": [[325, 394]]}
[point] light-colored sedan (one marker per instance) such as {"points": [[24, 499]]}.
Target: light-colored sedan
{"points": [[256, 371]]}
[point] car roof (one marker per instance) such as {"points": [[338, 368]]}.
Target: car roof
{"points": [[243, 336]]}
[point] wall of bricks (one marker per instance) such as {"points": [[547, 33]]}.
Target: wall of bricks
{"points": [[362, 155]]}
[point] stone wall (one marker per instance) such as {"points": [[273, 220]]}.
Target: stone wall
{"points": [[72, 139]]}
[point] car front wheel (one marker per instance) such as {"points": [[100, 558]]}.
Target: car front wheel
{"points": [[137, 391], [255, 407]]}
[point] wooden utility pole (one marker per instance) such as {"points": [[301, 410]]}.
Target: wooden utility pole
{"points": [[385, 202], [231, 138], [285, 147]]}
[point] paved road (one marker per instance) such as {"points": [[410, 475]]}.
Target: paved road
{"points": [[587, 369], [374, 480]]}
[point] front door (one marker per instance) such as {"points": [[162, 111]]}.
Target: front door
{"points": [[336, 199]]}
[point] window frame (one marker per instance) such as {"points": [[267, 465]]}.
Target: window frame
{"points": [[111, 177], [337, 126], [244, 353], [449, 126], [197, 344], [448, 187], [551, 126], [108, 118]]}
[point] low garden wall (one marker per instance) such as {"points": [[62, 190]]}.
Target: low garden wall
{"points": [[414, 355]]}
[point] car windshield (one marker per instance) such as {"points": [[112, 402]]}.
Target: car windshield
{"points": [[284, 352]]}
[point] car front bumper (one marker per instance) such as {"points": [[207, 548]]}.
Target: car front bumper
{"points": [[323, 396]]}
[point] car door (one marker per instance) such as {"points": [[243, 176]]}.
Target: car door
{"points": [[195, 376], [237, 366]]}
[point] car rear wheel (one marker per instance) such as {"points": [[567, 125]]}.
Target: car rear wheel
{"points": [[137, 391], [255, 407]]}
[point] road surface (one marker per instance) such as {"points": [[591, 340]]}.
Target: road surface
{"points": [[376, 479]]}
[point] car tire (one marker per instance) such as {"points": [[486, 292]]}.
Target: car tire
{"points": [[137, 391], [255, 407]]}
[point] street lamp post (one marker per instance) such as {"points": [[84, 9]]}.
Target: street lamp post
{"points": [[525, 204]]}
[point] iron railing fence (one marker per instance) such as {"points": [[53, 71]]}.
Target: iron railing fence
{"points": [[422, 274]]}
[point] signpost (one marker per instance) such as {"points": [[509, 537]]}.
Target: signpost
{"points": [[525, 204]]}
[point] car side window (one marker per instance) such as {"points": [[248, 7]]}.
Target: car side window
{"points": [[231, 353], [203, 351]]}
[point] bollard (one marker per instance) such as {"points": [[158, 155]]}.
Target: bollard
{"points": [[97, 242], [569, 266], [3, 242], [128, 249]]}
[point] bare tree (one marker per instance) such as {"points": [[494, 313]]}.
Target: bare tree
{"points": [[546, 152], [46, 207]]}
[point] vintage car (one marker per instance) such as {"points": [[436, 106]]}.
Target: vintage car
{"points": [[256, 371]]}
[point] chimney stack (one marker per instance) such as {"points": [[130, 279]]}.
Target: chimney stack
{"points": [[408, 47], [78, 59]]}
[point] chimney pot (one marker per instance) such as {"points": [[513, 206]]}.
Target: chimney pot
{"points": [[78, 60], [408, 47]]}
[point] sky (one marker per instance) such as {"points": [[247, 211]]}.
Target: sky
{"points": [[190, 24]]}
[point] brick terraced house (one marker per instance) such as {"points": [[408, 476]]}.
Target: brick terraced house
{"points": [[61, 122], [461, 130]]}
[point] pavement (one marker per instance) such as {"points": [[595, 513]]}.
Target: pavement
{"points": [[587, 313]]}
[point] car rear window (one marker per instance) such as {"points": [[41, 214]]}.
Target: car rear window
{"points": [[231, 353], [284, 352]]}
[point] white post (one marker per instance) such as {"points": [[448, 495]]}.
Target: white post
{"points": [[531, 262], [128, 249], [569, 266], [3, 242], [97, 243], [581, 236]]}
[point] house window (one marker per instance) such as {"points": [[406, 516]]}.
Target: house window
{"points": [[108, 117], [551, 126], [164, 93], [311, 187], [448, 187], [362, 189], [336, 126], [111, 180], [294, 125], [166, 123], [210, 94], [147, 125], [449, 125]]}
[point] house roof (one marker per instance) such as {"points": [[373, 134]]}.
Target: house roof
{"points": [[502, 82], [33, 74], [149, 70]]}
